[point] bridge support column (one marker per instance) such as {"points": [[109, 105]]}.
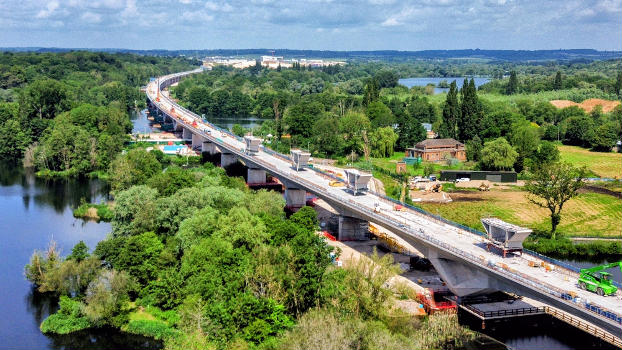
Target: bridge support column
{"points": [[186, 134], [352, 229], [256, 176], [209, 147], [227, 159], [462, 279], [197, 142], [295, 198]]}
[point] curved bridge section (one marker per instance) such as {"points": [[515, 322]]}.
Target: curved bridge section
{"points": [[458, 255]]}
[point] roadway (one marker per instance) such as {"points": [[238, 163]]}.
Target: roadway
{"points": [[452, 242]]}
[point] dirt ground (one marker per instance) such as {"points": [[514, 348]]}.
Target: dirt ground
{"points": [[587, 105]]}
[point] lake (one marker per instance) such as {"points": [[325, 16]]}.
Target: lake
{"points": [[33, 212], [410, 82]]}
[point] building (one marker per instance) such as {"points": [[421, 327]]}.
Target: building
{"points": [[434, 150], [429, 133], [493, 176]]}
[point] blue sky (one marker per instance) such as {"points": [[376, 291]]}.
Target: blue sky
{"points": [[313, 24]]}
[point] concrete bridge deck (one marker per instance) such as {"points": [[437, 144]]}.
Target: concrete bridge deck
{"points": [[458, 255]]}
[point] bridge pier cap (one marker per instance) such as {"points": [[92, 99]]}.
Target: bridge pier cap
{"points": [[252, 144], [300, 159], [356, 180]]}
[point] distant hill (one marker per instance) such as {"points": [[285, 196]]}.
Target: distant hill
{"points": [[494, 55]]}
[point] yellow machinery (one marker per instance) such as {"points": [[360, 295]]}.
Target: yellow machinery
{"points": [[388, 242]]}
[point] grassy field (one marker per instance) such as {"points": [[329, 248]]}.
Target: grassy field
{"points": [[589, 214], [390, 162], [600, 163]]}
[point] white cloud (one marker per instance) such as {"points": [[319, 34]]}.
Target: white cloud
{"points": [[49, 10], [91, 17], [212, 6]]}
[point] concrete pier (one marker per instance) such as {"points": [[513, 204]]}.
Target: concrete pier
{"points": [[352, 229], [227, 159], [187, 134], [256, 176], [295, 198]]}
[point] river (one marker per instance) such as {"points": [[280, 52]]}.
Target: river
{"points": [[410, 82], [33, 212]]}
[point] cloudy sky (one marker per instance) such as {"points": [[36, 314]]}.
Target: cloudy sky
{"points": [[313, 24]]}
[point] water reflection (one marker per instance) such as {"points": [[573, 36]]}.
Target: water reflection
{"points": [[32, 212]]}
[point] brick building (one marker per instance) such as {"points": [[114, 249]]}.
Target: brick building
{"points": [[434, 150]]}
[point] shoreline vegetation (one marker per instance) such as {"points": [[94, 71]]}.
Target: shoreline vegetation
{"points": [[198, 260]]}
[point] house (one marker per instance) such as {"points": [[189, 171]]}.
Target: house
{"points": [[428, 130], [434, 150]]}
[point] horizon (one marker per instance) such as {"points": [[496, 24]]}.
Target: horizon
{"points": [[373, 25]]}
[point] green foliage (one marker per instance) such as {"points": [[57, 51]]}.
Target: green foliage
{"points": [[67, 319], [379, 115], [564, 248], [133, 168], [470, 119], [498, 155], [150, 328], [451, 114], [552, 186], [512, 86], [171, 179], [79, 252]]}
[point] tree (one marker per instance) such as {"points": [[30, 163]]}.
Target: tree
{"points": [[382, 142], [353, 125], [525, 139], [474, 149], [498, 155], [79, 252], [552, 186], [557, 83], [386, 79], [512, 86], [301, 117], [13, 140], [451, 113], [470, 121], [580, 131], [379, 115], [605, 137], [371, 92], [546, 154], [618, 86], [133, 168], [326, 136]]}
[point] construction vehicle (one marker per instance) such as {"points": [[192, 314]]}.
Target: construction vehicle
{"points": [[596, 280], [484, 187], [434, 187], [436, 300]]}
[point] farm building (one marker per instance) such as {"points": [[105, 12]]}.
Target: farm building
{"points": [[434, 150], [493, 176]]}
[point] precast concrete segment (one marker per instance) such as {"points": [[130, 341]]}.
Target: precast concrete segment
{"points": [[429, 234], [255, 176]]}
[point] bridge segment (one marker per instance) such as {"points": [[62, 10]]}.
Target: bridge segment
{"points": [[458, 255]]}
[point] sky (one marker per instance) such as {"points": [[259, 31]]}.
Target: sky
{"points": [[313, 24]]}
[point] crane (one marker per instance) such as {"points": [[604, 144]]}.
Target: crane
{"points": [[596, 280]]}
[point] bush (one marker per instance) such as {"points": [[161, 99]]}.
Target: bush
{"points": [[565, 248], [150, 328], [67, 319]]}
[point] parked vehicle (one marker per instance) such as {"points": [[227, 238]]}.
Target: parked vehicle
{"points": [[463, 179]]}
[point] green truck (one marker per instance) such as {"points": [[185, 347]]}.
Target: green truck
{"points": [[596, 280]]}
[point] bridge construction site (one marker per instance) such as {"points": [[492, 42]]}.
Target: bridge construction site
{"points": [[471, 263]]}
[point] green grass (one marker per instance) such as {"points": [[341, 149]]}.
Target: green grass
{"points": [[588, 215], [104, 212], [602, 164]]}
